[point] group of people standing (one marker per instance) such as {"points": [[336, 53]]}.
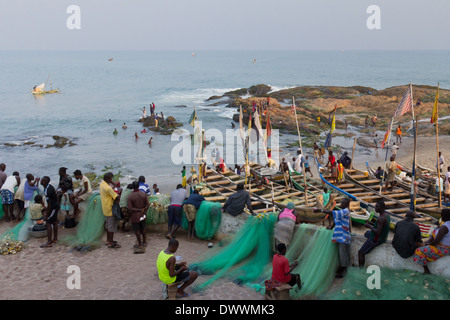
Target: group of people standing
{"points": [[43, 206]]}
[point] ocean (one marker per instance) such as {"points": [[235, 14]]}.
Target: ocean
{"points": [[98, 96]]}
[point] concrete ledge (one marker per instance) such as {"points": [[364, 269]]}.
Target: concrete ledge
{"points": [[385, 256]]}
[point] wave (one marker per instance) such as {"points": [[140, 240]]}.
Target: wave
{"points": [[195, 96]]}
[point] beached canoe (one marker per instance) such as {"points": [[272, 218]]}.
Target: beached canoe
{"points": [[397, 195], [405, 183], [263, 194], [314, 190], [396, 209]]}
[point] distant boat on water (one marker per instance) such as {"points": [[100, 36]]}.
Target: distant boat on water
{"points": [[40, 89]]}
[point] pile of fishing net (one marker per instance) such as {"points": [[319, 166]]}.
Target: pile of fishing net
{"points": [[207, 220], [244, 257], [392, 285], [157, 211], [91, 225], [247, 257], [20, 232], [317, 258]]}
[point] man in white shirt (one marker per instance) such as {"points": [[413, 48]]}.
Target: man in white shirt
{"points": [[7, 193], [394, 149], [441, 162], [175, 211]]}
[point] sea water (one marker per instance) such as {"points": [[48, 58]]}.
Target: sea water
{"points": [[98, 96]]}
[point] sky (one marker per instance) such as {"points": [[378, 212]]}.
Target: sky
{"points": [[196, 25]]}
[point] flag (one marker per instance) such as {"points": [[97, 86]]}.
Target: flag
{"points": [[385, 139], [434, 116], [327, 143], [193, 118], [405, 105], [333, 124], [256, 125]]}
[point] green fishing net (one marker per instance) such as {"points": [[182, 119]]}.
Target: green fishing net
{"points": [[207, 220], [157, 212], [20, 231], [392, 285], [91, 225], [2, 211], [245, 255], [317, 261], [247, 258]]}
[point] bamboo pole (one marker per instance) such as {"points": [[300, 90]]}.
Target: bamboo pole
{"points": [[301, 148], [413, 179], [353, 153], [437, 147]]}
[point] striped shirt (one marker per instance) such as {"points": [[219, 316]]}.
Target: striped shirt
{"points": [[342, 226], [144, 187]]}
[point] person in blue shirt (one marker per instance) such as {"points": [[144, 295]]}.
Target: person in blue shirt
{"points": [[143, 186], [190, 207], [341, 234]]}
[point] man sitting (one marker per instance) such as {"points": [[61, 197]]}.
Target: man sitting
{"points": [[236, 202], [169, 272], [281, 269]]}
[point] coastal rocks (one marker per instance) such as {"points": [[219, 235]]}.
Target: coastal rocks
{"points": [[61, 142], [44, 142], [165, 126]]}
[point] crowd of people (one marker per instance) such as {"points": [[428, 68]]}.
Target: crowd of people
{"points": [[134, 202]]}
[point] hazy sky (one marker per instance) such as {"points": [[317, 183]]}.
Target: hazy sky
{"points": [[224, 25]]}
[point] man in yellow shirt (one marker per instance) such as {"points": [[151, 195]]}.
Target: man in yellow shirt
{"points": [[169, 271], [108, 196]]}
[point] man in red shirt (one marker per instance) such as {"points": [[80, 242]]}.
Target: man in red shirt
{"points": [[281, 270]]}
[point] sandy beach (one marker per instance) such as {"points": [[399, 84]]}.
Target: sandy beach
{"points": [[38, 273], [106, 274]]}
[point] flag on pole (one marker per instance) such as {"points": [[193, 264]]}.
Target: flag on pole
{"points": [[193, 118], [405, 105], [434, 116], [256, 124], [386, 135], [385, 139], [333, 124]]}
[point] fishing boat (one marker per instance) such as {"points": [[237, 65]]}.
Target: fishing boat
{"points": [[400, 195], [40, 89], [359, 213], [314, 192], [397, 202], [423, 187], [272, 198]]}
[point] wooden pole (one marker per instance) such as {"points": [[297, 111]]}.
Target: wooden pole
{"points": [[437, 146], [353, 153], [412, 205], [301, 148]]}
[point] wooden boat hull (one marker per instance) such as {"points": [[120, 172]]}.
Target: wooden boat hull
{"points": [[368, 198], [225, 184], [46, 92]]}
